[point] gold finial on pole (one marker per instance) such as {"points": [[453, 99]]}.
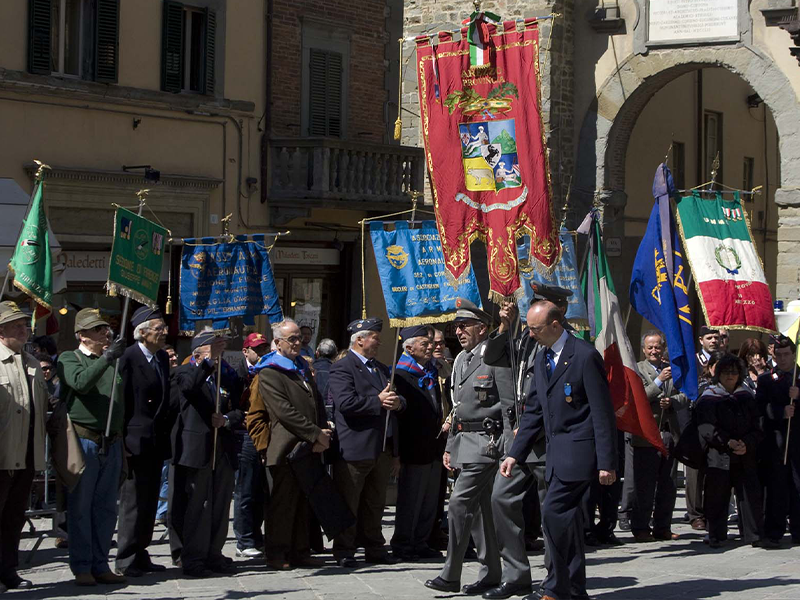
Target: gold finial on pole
{"points": [[477, 5], [714, 170], [414, 197], [42, 167], [226, 225]]}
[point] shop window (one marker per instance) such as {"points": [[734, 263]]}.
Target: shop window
{"points": [[74, 38], [748, 167], [188, 49]]}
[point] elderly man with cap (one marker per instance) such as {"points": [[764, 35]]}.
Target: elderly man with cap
{"points": [[362, 399], [420, 423], [24, 400], [201, 481], [249, 492], [475, 445], [145, 381], [509, 493], [87, 381]]}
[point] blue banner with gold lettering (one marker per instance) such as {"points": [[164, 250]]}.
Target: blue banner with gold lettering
{"points": [[411, 267], [659, 281], [565, 275], [224, 280]]}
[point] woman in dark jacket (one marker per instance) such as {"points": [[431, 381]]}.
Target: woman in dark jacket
{"points": [[728, 423]]}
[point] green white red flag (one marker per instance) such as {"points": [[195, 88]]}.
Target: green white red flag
{"points": [[727, 270], [479, 46], [31, 263], [631, 405]]}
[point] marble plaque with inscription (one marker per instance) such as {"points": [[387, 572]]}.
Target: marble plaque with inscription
{"points": [[692, 21]]}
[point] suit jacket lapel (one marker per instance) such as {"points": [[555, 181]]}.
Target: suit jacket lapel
{"points": [[374, 380]]}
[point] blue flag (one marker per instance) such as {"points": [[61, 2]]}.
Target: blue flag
{"points": [[659, 290], [565, 275], [411, 267], [224, 280]]}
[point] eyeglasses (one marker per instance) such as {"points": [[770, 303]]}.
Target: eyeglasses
{"points": [[439, 343], [465, 324], [47, 367], [99, 328], [159, 328], [292, 339]]}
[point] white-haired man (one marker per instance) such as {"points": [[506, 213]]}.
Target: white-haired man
{"points": [[361, 395], [145, 380], [417, 381]]}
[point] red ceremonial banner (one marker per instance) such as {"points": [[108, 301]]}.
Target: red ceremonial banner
{"points": [[485, 147]]}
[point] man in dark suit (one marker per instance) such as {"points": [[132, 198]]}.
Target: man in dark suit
{"points": [[420, 451], [364, 408], [145, 378], [200, 486], [569, 398]]}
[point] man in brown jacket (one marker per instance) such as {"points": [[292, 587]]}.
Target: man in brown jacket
{"points": [[23, 406], [289, 407]]}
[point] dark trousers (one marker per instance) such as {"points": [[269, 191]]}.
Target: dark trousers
{"points": [[138, 504], [695, 483], [363, 484], [199, 511], [654, 489], [602, 500], [15, 489], [417, 496], [249, 496], [532, 513], [782, 497], [287, 517], [562, 522], [749, 501]]}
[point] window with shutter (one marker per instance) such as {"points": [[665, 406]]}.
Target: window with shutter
{"points": [[210, 54], [325, 93], [172, 47], [106, 41], [39, 32]]}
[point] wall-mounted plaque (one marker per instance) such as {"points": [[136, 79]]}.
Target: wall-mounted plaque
{"points": [[675, 22]]}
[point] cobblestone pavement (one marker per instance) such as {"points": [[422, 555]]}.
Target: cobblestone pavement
{"points": [[685, 569]]}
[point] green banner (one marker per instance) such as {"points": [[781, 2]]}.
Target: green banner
{"points": [[137, 256], [32, 263]]}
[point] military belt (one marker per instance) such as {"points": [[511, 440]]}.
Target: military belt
{"points": [[469, 426]]}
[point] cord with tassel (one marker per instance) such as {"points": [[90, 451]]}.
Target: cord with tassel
{"points": [[398, 124]]}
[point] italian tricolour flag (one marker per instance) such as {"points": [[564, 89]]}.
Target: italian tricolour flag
{"points": [[631, 406], [479, 37], [727, 270]]}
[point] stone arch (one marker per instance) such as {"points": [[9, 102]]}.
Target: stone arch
{"points": [[609, 122]]}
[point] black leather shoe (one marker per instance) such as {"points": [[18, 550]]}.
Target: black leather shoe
{"points": [[348, 562], [383, 559], [152, 567], [611, 540], [592, 540], [17, 583], [506, 590], [442, 585], [132, 571], [477, 588]]}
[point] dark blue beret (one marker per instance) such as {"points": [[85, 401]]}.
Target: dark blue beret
{"points": [[365, 325]]}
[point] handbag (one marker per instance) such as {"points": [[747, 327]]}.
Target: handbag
{"points": [[690, 449], [66, 452]]}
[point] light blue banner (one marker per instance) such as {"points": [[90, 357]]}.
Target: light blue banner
{"points": [[565, 275], [411, 267]]}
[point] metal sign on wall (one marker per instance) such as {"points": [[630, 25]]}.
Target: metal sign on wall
{"points": [[671, 22]]}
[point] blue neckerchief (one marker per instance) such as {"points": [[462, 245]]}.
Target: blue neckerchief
{"points": [[427, 377], [273, 360]]}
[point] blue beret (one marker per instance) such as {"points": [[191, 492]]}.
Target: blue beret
{"points": [[144, 314], [414, 331], [204, 338], [365, 325]]}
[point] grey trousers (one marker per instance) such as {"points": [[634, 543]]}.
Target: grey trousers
{"points": [[200, 501], [628, 482], [695, 480], [417, 499], [470, 511], [509, 522]]}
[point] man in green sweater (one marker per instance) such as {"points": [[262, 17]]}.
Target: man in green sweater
{"points": [[87, 378]]}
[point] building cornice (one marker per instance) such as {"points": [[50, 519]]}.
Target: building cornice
{"points": [[104, 177]]}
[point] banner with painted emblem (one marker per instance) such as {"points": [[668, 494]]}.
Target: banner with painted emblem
{"points": [[485, 148], [224, 280], [137, 257], [565, 275], [728, 273], [411, 267]]}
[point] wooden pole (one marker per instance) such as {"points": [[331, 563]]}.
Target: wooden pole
{"points": [[391, 385], [219, 393], [791, 402]]}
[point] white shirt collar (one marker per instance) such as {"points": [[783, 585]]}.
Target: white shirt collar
{"points": [[361, 357], [147, 354], [559, 346], [86, 351]]}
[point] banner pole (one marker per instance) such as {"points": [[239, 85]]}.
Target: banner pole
{"points": [[216, 429], [791, 402], [391, 384], [123, 326]]}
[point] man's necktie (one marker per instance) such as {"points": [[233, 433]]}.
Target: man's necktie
{"points": [[467, 359], [551, 364]]}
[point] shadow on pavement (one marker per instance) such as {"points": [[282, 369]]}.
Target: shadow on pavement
{"points": [[689, 588]]}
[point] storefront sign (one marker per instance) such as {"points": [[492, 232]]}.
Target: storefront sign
{"points": [[289, 255], [691, 21]]}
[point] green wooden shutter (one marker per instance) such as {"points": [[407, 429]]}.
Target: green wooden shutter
{"points": [[325, 88], [39, 36], [106, 41], [172, 47], [210, 55]]}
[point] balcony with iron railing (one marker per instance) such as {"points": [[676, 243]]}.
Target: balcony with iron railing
{"points": [[329, 173]]}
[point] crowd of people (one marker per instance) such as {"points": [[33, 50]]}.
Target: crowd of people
{"points": [[305, 440]]}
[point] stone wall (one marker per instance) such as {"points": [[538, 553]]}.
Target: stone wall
{"points": [[431, 16]]}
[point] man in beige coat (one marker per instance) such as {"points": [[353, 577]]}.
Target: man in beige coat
{"points": [[23, 407]]}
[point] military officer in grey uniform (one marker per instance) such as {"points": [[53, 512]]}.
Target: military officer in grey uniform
{"points": [[475, 445], [508, 492]]}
